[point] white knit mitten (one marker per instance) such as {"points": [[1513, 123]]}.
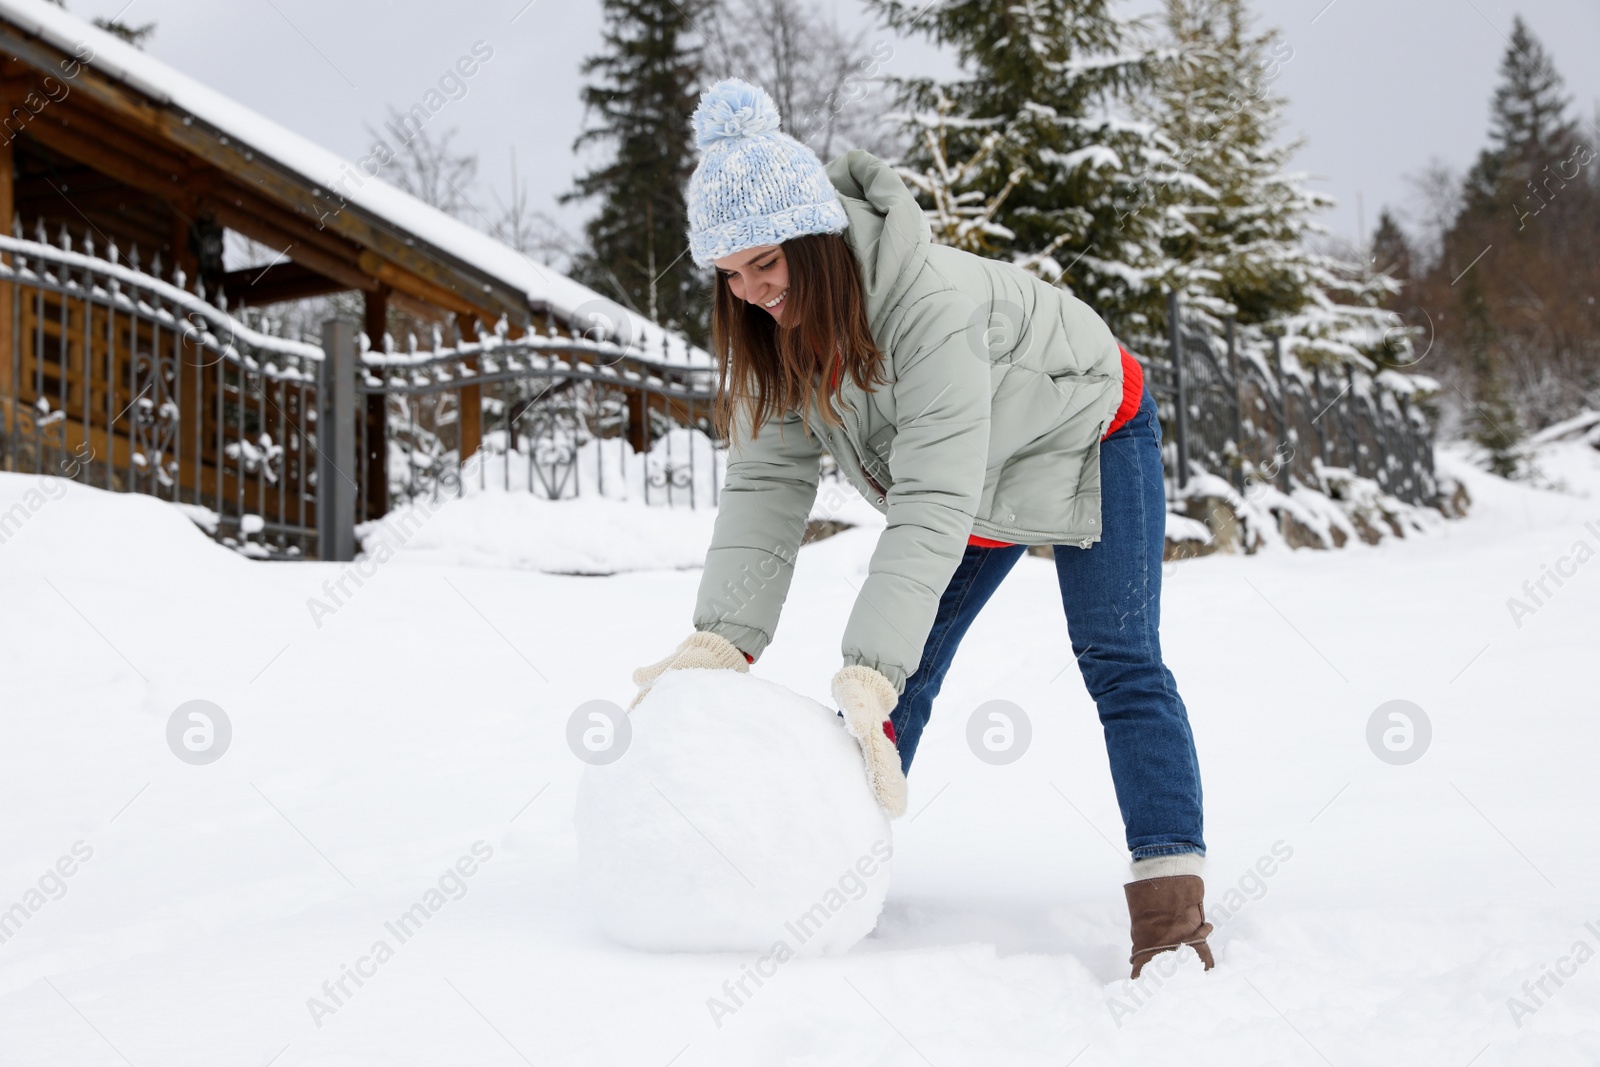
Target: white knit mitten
{"points": [[866, 697], [700, 649]]}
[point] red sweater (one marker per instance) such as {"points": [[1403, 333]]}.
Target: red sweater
{"points": [[1132, 393]]}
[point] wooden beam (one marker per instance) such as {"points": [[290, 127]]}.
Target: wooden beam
{"points": [[8, 356], [112, 197], [205, 183], [467, 287], [169, 186], [197, 184], [408, 283], [37, 197], [51, 186], [178, 190], [130, 171], [285, 280], [420, 310], [127, 103], [317, 260], [106, 130]]}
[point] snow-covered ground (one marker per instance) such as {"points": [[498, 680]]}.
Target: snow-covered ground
{"points": [[398, 772]]}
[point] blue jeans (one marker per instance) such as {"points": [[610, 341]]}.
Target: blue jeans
{"points": [[1112, 595]]}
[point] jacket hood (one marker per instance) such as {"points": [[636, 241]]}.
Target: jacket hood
{"points": [[888, 233]]}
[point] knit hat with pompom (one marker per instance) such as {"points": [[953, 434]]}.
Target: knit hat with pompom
{"points": [[755, 184]]}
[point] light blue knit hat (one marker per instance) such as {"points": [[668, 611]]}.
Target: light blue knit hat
{"points": [[755, 184]]}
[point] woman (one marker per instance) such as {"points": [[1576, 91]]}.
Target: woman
{"points": [[979, 408]]}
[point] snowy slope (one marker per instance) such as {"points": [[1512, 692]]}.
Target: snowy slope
{"points": [[417, 730]]}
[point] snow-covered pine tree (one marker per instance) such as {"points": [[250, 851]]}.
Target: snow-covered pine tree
{"points": [[960, 212], [1238, 231], [650, 77], [1233, 233], [1031, 155]]}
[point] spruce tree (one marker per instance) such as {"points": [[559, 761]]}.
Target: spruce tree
{"points": [[1491, 419], [649, 80], [1391, 248], [1235, 231], [1392, 255], [1524, 202], [1025, 155], [1528, 128], [1239, 232]]}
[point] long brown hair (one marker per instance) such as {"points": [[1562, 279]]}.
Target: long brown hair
{"points": [[773, 365]]}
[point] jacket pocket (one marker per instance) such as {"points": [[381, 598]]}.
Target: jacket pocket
{"points": [[875, 457], [1078, 391]]}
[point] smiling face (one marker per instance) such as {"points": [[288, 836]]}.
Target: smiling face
{"points": [[759, 276]]}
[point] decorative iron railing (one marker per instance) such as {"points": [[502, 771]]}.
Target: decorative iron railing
{"points": [[558, 415], [129, 382], [1240, 405]]}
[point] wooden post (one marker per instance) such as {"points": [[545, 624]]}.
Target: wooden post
{"points": [[182, 257], [375, 464], [8, 356], [471, 402], [638, 429]]}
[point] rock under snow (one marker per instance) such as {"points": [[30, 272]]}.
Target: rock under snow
{"points": [[739, 819]]}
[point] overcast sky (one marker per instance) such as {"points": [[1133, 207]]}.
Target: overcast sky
{"points": [[1377, 87]]}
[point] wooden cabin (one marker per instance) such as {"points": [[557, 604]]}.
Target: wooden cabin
{"points": [[123, 358]]}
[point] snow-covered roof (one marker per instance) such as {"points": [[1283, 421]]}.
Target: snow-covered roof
{"points": [[119, 61]]}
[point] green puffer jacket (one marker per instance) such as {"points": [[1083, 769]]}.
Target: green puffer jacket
{"points": [[1002, 388]]}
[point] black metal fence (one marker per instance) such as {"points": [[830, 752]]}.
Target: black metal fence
{"points": [[1237, 404], [558, 414]]}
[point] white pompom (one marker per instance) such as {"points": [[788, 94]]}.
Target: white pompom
{"points": [[739, 819], [734, 108]]}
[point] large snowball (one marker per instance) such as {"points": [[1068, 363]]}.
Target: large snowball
{"points": [[739, 819]]}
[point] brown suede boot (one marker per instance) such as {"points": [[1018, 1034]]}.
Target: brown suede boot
{"points": [[1165, 913]]}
